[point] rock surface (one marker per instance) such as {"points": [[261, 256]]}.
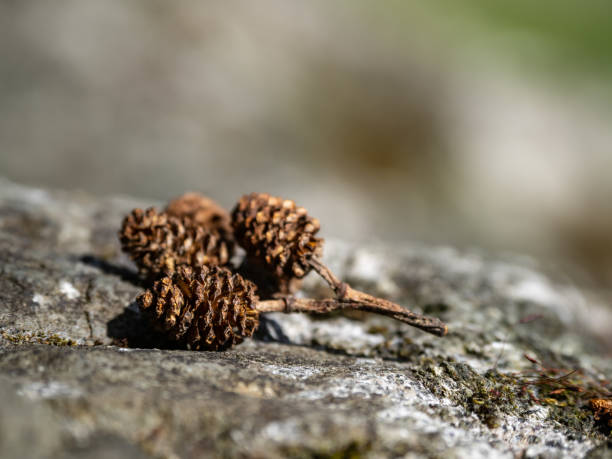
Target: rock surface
{"points": [[80, 374]]}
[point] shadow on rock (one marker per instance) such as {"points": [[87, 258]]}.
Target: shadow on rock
{"points": [[130, 329], [270, 331], [122, 272]]}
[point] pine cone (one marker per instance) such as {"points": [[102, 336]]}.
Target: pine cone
{"points": [[278, 233], [208, 308], [202, 210], [159, 243], [602, 409]]}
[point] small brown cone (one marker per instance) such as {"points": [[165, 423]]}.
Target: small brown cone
{"points": [[202, 210], [602, 410], [159, 243], [208, 308], [277, 233]]}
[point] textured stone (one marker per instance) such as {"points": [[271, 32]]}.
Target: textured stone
{"points": [[83, 375]]}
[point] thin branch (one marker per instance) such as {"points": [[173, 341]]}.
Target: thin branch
{"points": [[357, 301], [365, 302]]}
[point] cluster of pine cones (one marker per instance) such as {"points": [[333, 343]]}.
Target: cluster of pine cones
{"points": [[196, 296]]}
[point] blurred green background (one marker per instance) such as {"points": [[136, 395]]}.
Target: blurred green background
{"points": [[477, 123]]}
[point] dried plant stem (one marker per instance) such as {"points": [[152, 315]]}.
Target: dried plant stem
{"points": [[349, 298], [292, 304]]}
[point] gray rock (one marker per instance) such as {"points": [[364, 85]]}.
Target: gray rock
{"points": [[82, 377]]}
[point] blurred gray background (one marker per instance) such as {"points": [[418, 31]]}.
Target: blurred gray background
{"points": [[478, 123]]}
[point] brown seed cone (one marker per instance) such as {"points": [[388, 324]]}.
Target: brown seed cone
{"points": [[278, 233], [206, 308], [602, 409], [159, 243], [203, 211]]}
